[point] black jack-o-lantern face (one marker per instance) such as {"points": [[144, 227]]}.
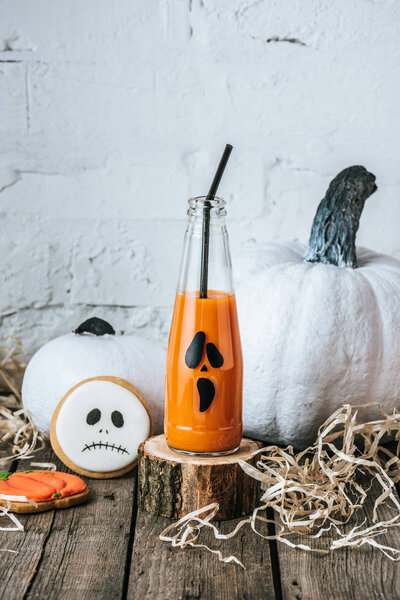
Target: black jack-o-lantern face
{"points": [[193, 357]]}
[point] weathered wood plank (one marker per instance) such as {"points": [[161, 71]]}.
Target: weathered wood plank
{"points": [[346, 574], [77, 552], [161, 572], [85, 555], [17, 570]]}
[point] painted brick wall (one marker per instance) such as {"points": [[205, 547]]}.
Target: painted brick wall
{"points": [[113, 113]]}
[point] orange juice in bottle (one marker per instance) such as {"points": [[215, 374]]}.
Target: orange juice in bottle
{"points": [[204, 370]]}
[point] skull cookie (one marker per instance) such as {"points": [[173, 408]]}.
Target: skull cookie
{"points": [[98, 425]]}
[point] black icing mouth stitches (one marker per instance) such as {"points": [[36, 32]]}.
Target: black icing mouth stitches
{"points": [[106, 445]]}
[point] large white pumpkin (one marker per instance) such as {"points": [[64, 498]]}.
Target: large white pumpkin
{"points": [[315, 335], [67, 360]]}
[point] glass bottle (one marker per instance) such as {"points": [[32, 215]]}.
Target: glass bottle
{"points": [[204, 370]]}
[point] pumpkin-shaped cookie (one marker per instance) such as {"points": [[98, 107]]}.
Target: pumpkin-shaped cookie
{"points": [[40, 490]]}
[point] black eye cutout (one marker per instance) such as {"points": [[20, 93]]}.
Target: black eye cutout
{"points": [[216, 359], [117, 418], [93, 417], [195, 351]]}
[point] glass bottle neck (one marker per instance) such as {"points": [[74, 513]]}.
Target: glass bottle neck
{"points": [[219, 260], [197, 205]]}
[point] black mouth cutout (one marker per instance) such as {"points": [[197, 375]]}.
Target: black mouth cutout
{"points": [[193, 358], [206, 390]]}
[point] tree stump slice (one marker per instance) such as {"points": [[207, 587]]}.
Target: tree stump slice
{"points": [[172, 484]]}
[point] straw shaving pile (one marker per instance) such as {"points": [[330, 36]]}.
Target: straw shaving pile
{"points": [[322, 489], [19, 437]]}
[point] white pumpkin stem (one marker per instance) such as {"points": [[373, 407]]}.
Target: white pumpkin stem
{"points": [[333, 232]]}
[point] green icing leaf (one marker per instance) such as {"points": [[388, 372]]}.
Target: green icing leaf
{"points": [[57, 495], [4, 476]]}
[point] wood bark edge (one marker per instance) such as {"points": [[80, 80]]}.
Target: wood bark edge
{"points": [[171, 485]]}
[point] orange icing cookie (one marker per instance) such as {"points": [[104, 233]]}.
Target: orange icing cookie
{"points": [[49, 489]]}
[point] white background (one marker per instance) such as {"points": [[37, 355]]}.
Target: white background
{"points": [[113, 113]]}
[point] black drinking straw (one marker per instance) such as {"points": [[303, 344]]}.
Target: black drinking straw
{"points": [[206, 220]]}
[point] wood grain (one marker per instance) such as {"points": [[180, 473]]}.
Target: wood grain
{"points": [[172, 484], [85, 555], [17, 570], [159, 571], [80, 552], [345, 574]]}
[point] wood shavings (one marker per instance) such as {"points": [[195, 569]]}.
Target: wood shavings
{"points": [[44, 465], [188, 530], [11, 367], [318, 490], [17, 498], [18, 434], [4, 512]]}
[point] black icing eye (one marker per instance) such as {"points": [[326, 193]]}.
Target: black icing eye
{"points": [[195, 351], [117, 418], [93, 417], [216, 359]]}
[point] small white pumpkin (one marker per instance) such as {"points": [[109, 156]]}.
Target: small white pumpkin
{"points": [[93, 350], [315, 335]]}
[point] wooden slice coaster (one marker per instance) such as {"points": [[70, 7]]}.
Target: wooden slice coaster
{"points": [[172, 484]]}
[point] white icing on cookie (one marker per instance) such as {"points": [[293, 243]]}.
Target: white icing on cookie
{"points": [[100, 426]]}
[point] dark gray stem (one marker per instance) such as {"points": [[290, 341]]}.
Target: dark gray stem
{"points": [[333, 233], [95, 326]]}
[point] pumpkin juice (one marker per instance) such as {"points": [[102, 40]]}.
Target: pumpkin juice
{"points": [[204, 373]]}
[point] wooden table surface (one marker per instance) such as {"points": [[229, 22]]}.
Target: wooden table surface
{"points": [[108, 549]]}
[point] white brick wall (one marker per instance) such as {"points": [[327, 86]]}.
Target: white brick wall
{"points": [[113, 113]]}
